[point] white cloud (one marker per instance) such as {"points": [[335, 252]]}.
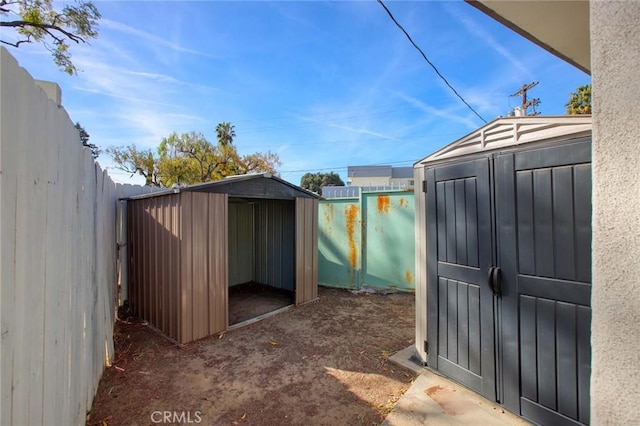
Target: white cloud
{"points": [[361, 130], [154, 39], [127, 98], [448, 112]]}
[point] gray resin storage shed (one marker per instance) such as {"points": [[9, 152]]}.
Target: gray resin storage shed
{"points": [[189, 248], [503, 264]]}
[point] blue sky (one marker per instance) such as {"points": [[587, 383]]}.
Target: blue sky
{"points": [[323, 84]]}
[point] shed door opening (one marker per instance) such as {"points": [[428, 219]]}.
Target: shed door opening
{"points": [[261, 257], [523, 339]]}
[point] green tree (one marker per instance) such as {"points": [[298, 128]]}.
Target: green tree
{"points": [[36, 21], [134, 161], [190, 158], [256, 163], [84, 138], [315, 181], [580, 101]]}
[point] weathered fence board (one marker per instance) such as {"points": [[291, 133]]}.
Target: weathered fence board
{"points": [[58, 251]]}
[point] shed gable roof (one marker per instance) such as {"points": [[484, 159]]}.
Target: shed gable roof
{"points": [[257, 186], [262, 185], [512, 131]]}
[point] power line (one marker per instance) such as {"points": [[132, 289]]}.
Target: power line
{"points": [[429, 62], [345, 167]]}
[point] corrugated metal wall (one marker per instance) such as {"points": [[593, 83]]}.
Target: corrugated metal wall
{"points": [[154, 269], [368, 241], [204, 260], [241, 242], [275, 243], [306, 254], [178, 263], [184, 247]]}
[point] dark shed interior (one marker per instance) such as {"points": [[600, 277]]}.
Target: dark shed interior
{"points": [[261, 257]]}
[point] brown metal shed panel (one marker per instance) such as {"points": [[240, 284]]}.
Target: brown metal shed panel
{"points": [[218, 219], [165, 244], [200, 265], [174, 270], [137, 260], [137, 244], [146, 258], [306, 250], [204, 265], [153, 254], [154, 278], [168, 243], [132, 259], [145, 255], [139, 247], [185, 321]]}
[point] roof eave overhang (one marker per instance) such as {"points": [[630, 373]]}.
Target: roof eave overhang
{"points": [[561, 27]]}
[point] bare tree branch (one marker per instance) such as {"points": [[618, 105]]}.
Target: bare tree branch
{"points": [[17, 43], [45, 27]]}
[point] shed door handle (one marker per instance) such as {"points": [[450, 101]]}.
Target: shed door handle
{"points": [[494, 279]]}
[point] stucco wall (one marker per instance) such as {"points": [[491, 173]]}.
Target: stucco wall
{"points": [[615, 55]]}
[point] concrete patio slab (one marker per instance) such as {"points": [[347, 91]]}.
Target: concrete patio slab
{"points": [[435, 400]]}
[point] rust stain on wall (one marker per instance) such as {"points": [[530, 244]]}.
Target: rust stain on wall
{"points": [[383, 204], [351, 213], [328, 212], [408, 277], [402, 202]]}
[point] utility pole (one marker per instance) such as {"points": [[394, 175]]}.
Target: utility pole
{"points": [[525, 105]]}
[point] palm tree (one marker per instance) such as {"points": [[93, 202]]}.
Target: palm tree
{"points": [[225, 132]]}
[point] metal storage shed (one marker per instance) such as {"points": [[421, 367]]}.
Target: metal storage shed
{"points": [[186, 247], [503, 264]]}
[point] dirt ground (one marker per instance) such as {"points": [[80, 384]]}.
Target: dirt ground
{"points": [[323, 363]]}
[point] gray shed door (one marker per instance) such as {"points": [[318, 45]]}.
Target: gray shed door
{"points": [[528, 215], [460, 312], [543, 200]]}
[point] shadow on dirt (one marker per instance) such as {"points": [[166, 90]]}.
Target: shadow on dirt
{"points": [[324, 363]]}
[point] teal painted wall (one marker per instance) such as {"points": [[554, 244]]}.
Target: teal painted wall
{"points": [[339, 253], [367, 241]]}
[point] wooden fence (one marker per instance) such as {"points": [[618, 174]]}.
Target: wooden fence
{"points": [[58, 252]]}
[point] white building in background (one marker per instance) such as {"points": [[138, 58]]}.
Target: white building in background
{"points": [[380, 177], [372, 178]]}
